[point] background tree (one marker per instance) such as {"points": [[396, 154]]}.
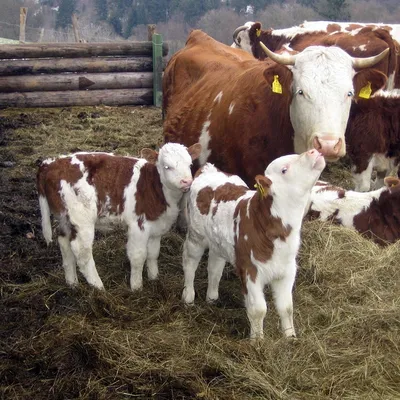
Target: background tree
{"points": [[67, 8], [333, 10]]}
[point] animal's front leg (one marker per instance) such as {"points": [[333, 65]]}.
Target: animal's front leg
{"points": [[215, 268], [256, 308], [282, 293], [137, 253], [153, 251]]}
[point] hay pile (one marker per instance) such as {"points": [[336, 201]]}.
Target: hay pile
{"points": [[63, 343]]}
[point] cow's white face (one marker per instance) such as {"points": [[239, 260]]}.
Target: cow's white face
{"points": [[244, 39], [322, 93], [173, 165]]}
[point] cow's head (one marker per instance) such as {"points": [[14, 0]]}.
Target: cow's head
{"points": [[173, 163], [324, 84], [241, 39]]}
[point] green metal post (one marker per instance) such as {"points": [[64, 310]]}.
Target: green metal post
{"points": [[157, 69]]}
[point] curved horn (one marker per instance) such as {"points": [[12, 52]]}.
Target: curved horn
{"points": [[237, 30], [285, 59], [368, 61]]}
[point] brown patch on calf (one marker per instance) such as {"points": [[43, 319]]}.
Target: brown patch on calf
{"points": [[381, 220], [226, 192], [150, 199], [312, 214], [261, 229]]}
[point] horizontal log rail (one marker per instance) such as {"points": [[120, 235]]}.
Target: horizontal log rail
{"points": [[85, 64], [54, 82], [73, 50], [114, 97]]}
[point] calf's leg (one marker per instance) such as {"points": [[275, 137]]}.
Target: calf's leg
{"points": [[192, 253], [153, 251], [215, 268], [282, 293], [69, 261], [256, 308], [136, 249]]}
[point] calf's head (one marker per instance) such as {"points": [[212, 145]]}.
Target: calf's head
{"points": [[173, 163], [323, 86], [294, 175]]}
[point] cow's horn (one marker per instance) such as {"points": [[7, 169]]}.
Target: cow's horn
{"points": [[237, 30], [368, 61], [285, 59]]}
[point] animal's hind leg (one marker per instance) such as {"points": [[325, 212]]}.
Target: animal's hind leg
{"points": [[215, 268], [69, 261], [82, 248]]}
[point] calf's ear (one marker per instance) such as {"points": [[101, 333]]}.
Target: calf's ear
{"points": [[254, 32], [194, 151], [279, 78], [149, 155], [262, 185], [367, 82]]}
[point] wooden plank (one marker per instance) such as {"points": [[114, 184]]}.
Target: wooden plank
{"points": [[22, 23], [77, 98], [54, 82], [74, 50], [157, 69], [91, 65]]}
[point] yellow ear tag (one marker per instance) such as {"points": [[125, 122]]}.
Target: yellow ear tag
{"points": [[276, 85], [260, 189], [258, 32], [366, 91]]}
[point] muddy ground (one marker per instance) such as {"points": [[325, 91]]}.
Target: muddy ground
{"points": [[63, 343]]}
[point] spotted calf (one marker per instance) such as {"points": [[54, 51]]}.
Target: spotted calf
{"points": [[257, 231], [374, 214], [85, 190]]}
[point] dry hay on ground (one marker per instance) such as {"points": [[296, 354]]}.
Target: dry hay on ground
{"points": [[57, 342]]}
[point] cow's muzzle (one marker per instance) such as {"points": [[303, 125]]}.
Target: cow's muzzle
{"points": [[332, 148]]}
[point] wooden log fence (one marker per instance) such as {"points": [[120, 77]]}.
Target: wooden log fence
{"points": [[68, 74]]}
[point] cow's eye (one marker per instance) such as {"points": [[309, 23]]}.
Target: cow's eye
{"points": [[284, 170], [167, 167], [300, 92], [350, 93]]}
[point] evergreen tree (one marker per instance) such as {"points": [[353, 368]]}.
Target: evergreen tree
{"points": [[334, 10], [67, 8]]}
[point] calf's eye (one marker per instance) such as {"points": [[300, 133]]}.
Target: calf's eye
{"points": [[284, 169]]}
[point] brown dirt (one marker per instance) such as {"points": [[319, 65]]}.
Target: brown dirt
{"points": [[63, 343]]}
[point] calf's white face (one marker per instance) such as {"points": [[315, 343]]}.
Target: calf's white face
{"points": [[173, 165], [294, 175]]}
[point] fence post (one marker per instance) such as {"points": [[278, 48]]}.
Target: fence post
{"points": [[75, 27], [22, 23], [157, 69]]}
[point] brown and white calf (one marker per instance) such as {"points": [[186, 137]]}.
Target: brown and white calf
{"points": [[85, 190], [373, 137], [375, 214], [256, 231]]}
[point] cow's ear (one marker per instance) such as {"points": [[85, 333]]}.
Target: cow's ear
{"points": [[367, 82], [149, 155], [255, 32], [195, 151], [262, 185], [279, 78], [391, 181]]}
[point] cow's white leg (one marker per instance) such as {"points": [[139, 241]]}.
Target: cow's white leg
{"points": [[82, 248], [362, 181], [215, 268], [192, 253], [282, 293], [69, 261], [153, 251], [256, 308], [136, 249]]}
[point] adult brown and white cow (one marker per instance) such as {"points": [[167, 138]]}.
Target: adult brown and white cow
{"points": [[256, 231], [361, 42], [376, 214], [85, 190], [373, 138], [246, 113]]}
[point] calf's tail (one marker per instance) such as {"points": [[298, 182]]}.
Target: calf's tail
{"points": [[46, 222]]}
